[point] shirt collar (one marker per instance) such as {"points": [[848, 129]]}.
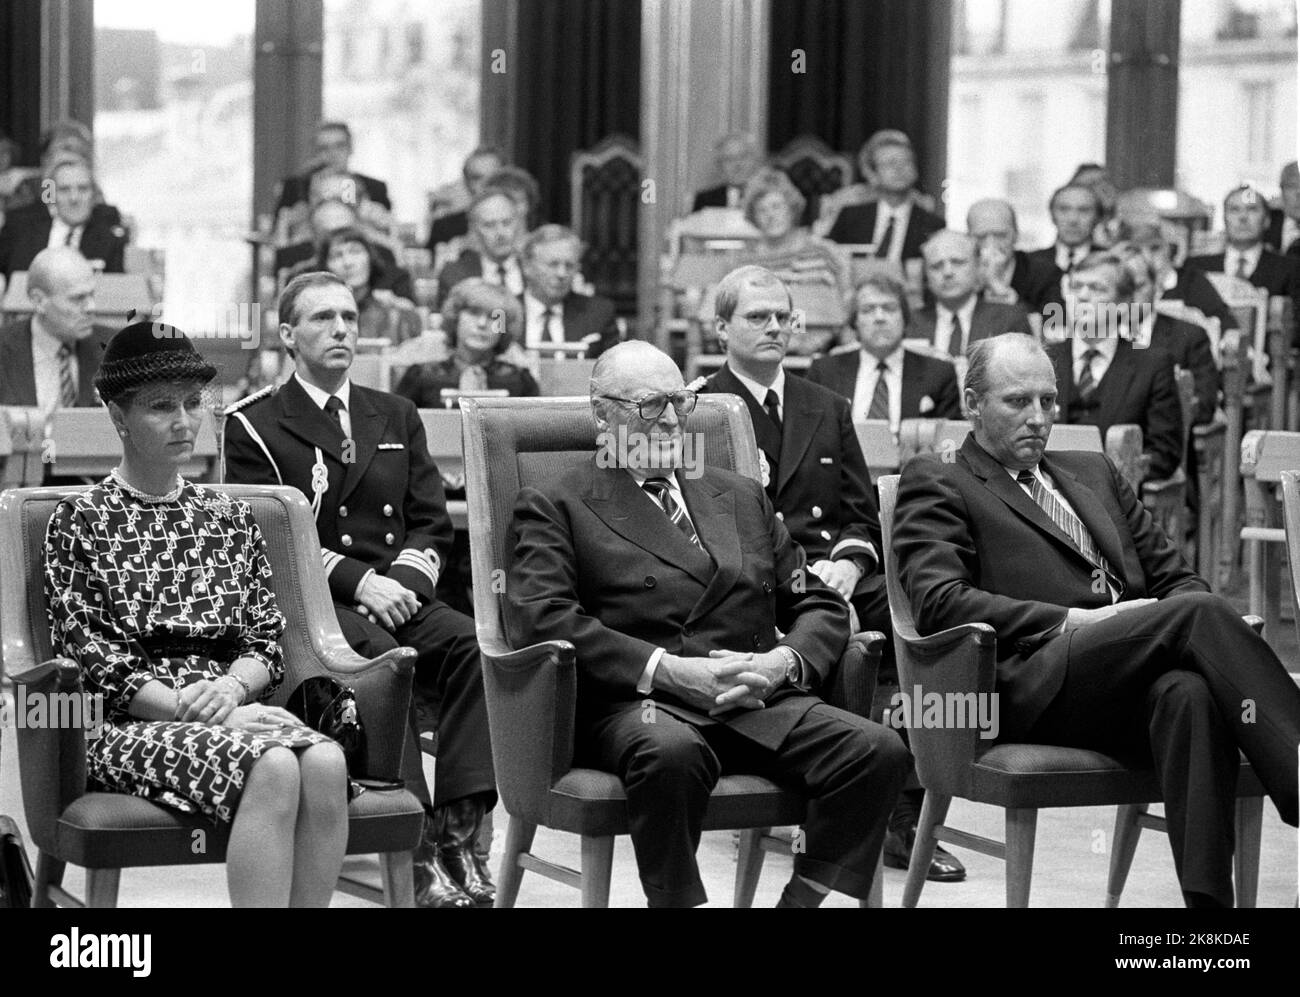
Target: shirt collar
{"points": [[894, 361], [759, 391], [536, 308], [321, 397], [43, 342], [1106, 347], [1251, 256], [965, 312]]}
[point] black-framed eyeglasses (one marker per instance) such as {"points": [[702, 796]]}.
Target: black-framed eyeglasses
{"points": [[651, 407], [761, 319]]}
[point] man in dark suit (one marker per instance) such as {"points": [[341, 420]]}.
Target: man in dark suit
{"points": [[75, 221], [49, 359], [553, 311], [496, 227], [1075, 209], [738, 159], [329, 175], [1245, 216], [360, 456], [1283, 235], [895, 224], [327, 217], [1010, 275], [479, 166], [672, 582], [1102, 379], [1106, 639], [817, 477], [914, 385], [960, 315]]}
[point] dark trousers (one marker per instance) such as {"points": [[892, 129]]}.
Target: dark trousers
{"points": [[850, 769], [448, 676], [1187, 683]]}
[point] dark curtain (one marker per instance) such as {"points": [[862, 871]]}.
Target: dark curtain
{"points": [[867, 66], [577, 78], [20, 75]]}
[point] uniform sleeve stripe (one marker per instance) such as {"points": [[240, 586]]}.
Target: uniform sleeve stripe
{"points": [[420, 561], [854, 547], [331, 558]]}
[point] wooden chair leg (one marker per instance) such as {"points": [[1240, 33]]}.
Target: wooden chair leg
{"points": [[101, 887], [398, 877], [49, 872], [519, 839], [1022, 826], [1122, 848], [749, 866], [876, 898], [597, 868], [933, 812], [1250, 818], [1272, 594]]}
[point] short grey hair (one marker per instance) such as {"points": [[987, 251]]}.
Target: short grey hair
{"points": [[980, 354]]}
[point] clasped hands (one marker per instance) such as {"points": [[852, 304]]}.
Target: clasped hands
{"points": [[842, 575], [386, 602], [214, 702], [723, 681], [1076, 618]]}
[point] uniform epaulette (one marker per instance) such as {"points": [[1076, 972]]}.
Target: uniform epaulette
{"points": [[248, 400]]}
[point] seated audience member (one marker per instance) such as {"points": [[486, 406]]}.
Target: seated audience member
{"points": [[362, 459], [1101, 379], [1245, 216], [1076, 210], [738, 159], [672, 585], [49, 358], [11, 175], [1283, 235], [481, 322], [496, 226], [185, 660], [882, 380], [1097, 177], [1187, 344], [62, 141], [326, 217], [382, 312], [553, 311], [328, 177], [1015, 537], [480, 164], [960, 316], [1009, 275], [895, 224], [1186, 283], [523, 189], [816, 478], [72, 220]]}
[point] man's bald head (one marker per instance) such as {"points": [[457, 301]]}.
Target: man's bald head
{"points": [[1010, 398], [629, 363], [56, 266], [61, 285]]}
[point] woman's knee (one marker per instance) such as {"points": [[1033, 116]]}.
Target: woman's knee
{"points": [[273, 783], [324, 778]]}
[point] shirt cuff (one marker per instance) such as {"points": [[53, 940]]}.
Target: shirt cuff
{"points": [[803, 685], [647, 683], [356, 596]]}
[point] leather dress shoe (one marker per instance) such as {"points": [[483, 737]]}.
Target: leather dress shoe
{"points": [[944, 867], [460, 833], [434, 886]]}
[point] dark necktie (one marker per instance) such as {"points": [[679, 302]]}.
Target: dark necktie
{"points": [[554, 325], [661, 492], [880, 398], [882, 250], [1086, 383], [772, 408], [956, 338], [1070, 524], [67, 383], [333, 406], [1242, 272], [72, 231]]}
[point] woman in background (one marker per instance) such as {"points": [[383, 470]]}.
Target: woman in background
{"points": [[383, 312]]}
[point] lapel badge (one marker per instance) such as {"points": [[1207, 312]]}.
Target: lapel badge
{"points": [[765, 468]]}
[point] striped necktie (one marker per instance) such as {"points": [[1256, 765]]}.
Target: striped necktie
{"points": [[662, 493], [1087, 383], [1070, 524], [879, 408], [956, 338], [67, 381]]}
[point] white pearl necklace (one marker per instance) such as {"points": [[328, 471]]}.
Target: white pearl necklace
{"points": [[171, 496]]}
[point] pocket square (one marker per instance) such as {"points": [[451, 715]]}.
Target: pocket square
{"points": [[926, 405], [828, 460], [392, 446]]}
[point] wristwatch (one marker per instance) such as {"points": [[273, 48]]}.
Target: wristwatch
{"points": [[793, 669]]}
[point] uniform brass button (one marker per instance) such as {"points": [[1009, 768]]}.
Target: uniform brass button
{"points": [[388, 510], [817, 512], [345, 540], [649, 581], [825, 535], [343, 512], [389, 538], [781, 516]]}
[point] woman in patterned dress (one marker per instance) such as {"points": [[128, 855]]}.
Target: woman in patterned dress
{"points": [[160, 590]]}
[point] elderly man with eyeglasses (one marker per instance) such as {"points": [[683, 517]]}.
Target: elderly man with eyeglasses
{"points": [[702, 639]]}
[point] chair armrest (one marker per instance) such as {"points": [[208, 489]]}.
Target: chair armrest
{"points": [[531, 697], [52, 755], [852, 684], [1255, 623], [979, 634]]}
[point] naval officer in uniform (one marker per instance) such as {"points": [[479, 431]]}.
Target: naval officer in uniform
{"points": [[361, 459]]}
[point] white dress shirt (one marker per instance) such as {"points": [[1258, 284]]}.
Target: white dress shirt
{"points": [[514, 276], [901, 215], [45, 367], [943, 325], [864, 388], [320, 397], [1233, 260], [1290, 233], [1067, 255], [537, 329], [63, 234], [759, 391], [1100, 363]]}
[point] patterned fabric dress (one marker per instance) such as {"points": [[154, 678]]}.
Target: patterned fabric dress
{"points": [[187, 579]]}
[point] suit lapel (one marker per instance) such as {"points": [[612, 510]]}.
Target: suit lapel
{"points": [[769, 441], [1115, 382], [714, 515], [845, 369], [623, 506], [367, 430], [912, 390], [1062, 357], [1091, 511], [307, 421], [23, 373], [798, 427]]}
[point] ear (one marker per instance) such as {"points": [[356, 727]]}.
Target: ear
{"points": [[970, 403], [118, 415], [286, 337]]}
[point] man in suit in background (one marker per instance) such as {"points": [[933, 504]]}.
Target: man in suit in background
{"points": [[1075, 209], [1102, 379], [960, 315], [1106, 639], [72, 220], [817, 477], [361, 458], [479, 165], [496, 227], [1009, 274], [738, 159], [672, 586], [553, 311], [895, 224], [1283, 235], [329, 175], [49, 359], [910, 386], [1245, 217]]}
